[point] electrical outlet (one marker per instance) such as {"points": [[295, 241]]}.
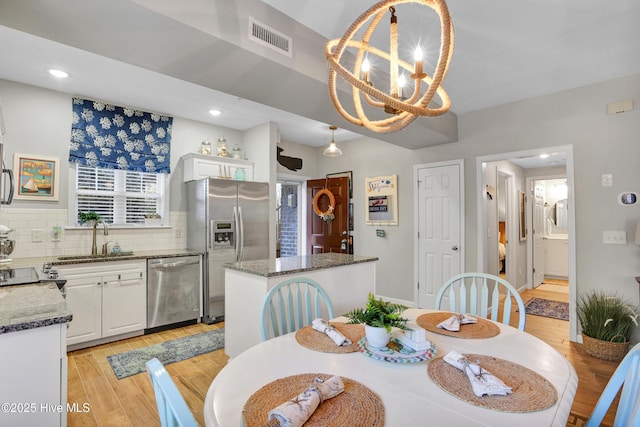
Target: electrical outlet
{"points": [[36, 235], [607, 180], [178, 232]]}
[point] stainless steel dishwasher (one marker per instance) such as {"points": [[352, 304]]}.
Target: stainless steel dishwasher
{"points": [[173, 290]]}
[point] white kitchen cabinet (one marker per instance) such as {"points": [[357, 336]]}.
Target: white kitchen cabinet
{"points": [[33, 374], [108, 299], [198, 166], [556, 257]]}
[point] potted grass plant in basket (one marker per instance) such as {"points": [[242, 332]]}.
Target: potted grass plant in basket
{"points": [[607, 322], [378, 317]]}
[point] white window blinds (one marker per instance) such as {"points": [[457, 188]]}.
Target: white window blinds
{"points": [[120, 197]]}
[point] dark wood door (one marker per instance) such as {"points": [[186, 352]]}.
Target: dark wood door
{"points": [[327, 236]]}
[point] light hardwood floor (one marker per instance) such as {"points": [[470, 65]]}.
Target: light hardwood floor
{"points": [[130, 401]]}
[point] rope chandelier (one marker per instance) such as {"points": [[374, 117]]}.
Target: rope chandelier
{"points": [[403, 110]]}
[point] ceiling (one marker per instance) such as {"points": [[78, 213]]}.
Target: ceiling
{"points": [[505, 51]]}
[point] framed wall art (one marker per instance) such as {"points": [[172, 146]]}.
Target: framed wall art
{"points": [[523, 217], [37, 177], [382, 200]]}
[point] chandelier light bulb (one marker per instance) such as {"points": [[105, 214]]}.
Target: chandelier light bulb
{"points": [[402, 81], [417, 54], [366, 66], [365, 70]]}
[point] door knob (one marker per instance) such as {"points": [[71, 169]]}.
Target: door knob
{"points": [[454, 248]]}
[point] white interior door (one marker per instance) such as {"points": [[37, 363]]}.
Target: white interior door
{"points": [[439, 226], [538, 233]]}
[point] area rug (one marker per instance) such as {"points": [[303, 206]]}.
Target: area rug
{"points": [[132, 362], [547, 308]]}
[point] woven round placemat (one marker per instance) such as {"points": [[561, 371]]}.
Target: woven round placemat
{"points": [[356, 405], [483, 329], [531, 391], [319, 341]]}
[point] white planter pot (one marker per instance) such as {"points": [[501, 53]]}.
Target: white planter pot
{"points": [[376, 337]]}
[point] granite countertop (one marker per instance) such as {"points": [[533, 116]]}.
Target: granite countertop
{"points": [[31, 306], [88, 259], [296, 264], [42, 304]]}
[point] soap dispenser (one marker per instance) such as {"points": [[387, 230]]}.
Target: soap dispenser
{"points": [[116, 248]]}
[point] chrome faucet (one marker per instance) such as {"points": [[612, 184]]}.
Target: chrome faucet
{"points": [[94, 247]]}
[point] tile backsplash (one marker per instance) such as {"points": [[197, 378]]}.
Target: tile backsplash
{"points": [[38, 224]]}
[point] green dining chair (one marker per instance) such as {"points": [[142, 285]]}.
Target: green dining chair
{"points": [[291, 305], [479, 294]]}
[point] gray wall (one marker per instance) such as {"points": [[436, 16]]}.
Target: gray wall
{"points": [[38, 122], [602, 144]]}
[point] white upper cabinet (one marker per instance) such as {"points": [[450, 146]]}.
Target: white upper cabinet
{"points": [[198, 166]]}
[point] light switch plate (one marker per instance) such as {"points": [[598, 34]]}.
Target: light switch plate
{"points": [[614, 237], [607, 180]]}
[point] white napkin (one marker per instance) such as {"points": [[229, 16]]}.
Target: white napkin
{"points": [[482, 381], [322, 325], [453, 323], [295, 412]]}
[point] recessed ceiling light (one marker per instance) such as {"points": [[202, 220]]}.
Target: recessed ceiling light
{"points": [[215, 112], [59, 73], [543, 156]]}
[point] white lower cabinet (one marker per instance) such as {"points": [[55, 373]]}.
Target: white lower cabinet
{"points": [[107, 299], [33, 374], [556, 257]]}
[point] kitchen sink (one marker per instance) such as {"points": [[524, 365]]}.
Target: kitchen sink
{"points": [[108, 256]]}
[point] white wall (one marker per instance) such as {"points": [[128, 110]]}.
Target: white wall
{"points": [[38, 122], [602, 144], [308, 154], [368, 158]]}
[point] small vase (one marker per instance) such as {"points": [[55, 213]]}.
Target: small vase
{"points": [[377, 337]]}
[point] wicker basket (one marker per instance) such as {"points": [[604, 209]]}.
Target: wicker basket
{"points": [[606, 350]]}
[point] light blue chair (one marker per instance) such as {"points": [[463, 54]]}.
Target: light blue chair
{"points": [[479, 294], [627, 377], [172, 408], [291, 305]]}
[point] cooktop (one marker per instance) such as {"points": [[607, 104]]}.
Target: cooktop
{"points": [[27, 275]]}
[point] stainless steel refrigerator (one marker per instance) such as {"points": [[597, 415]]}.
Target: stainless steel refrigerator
{"points": [[228, 221]]}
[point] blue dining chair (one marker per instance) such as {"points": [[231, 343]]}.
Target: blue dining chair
{"points": [[627, 377], [172, 408], [292, 304], [479, 294]]}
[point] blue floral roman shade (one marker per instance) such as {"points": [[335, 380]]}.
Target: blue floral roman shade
{"points": [[107, 136]]}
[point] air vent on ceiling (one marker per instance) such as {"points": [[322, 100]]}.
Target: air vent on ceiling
{"points": [[267, 36]]}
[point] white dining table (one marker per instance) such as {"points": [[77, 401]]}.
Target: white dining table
{"points": [[409, 395]]}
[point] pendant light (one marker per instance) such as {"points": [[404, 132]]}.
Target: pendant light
{"points": [[332, 150]]}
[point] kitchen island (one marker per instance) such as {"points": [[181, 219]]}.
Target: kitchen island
{"points": [[347, 279], [33, 355]]}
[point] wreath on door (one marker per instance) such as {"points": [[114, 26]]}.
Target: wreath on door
{"points": [[328, 214]]}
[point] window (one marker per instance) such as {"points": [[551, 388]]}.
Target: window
{"points": [[120, 197]]}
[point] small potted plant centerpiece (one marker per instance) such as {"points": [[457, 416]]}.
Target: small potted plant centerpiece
{"points": [[607, 322], [87, 217], [379, 317]]}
